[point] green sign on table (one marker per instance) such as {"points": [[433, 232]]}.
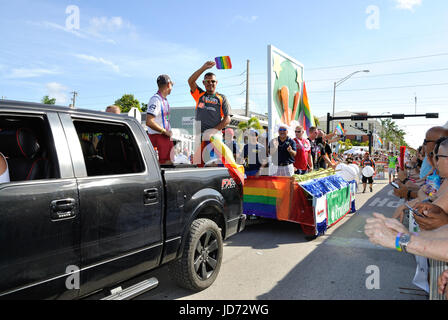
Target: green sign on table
{"points": [[338, 203]]}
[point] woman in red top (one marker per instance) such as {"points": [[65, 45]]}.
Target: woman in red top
{"points": [[303, 152]]}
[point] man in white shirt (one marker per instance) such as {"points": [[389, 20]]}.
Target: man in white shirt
{"points": [[4, 172], [158, 120]]}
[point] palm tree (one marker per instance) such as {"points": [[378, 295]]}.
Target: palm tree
{"points": [[392, 133], [252, 123]]}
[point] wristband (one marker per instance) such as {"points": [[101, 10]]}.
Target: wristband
{"points": [[163, 131], [397, 242]]}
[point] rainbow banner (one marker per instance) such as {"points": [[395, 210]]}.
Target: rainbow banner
{"points": [[226, 156], [223, 62], [340, 129], [306, 119], [268, 197]]}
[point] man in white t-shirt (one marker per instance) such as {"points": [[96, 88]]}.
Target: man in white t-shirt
{"points": [[4, 172], [158, 120]]}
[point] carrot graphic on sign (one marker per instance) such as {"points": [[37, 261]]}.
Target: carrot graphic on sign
{"points": [[284, 98]]}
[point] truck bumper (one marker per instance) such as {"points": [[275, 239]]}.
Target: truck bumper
{"points": [[242, 223]]}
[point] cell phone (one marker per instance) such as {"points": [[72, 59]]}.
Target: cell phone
{"points": [[415, 212], [396, 186]]}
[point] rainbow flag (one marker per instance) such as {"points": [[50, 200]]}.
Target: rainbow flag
{"points": [[306, 119], [340, 129], [223, 62], [380, 142], [226, 156], [268, 197]]}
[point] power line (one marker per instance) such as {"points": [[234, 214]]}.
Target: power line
{"points": [[379, 61], [386, 88]]}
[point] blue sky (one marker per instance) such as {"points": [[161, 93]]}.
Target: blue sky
{"points": [[121, 47]]}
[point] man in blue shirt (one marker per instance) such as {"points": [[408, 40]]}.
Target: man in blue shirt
{"points": [[283, 151]]}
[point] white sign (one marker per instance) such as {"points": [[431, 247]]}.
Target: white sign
{"points": [[135, 113], [285, 86]]}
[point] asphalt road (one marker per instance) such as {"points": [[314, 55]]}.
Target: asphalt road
{"points": [[272, 260]]}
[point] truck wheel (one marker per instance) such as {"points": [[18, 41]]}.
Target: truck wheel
{"points": [[201, 259]]}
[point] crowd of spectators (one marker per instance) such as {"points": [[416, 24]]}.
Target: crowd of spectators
{"points": [[420, 226]]}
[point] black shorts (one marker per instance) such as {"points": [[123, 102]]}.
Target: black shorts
{"points": [[368, 180]]}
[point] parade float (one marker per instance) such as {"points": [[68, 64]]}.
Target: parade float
{"points": [[316, 200]]}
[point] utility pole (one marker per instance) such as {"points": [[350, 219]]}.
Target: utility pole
{"points": [[74, 99], [247, 89], [415, 103]]}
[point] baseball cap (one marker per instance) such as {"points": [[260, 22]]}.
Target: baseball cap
{"points": [[164, 79]]}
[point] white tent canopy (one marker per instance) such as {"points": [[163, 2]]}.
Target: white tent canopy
{"points": [[355, 151]]}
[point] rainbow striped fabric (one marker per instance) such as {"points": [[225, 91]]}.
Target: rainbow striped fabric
{"points": [[340, 129], [223, 62], [268, 197], [226, 157], [306, 119]]}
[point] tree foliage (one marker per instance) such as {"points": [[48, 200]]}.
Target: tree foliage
{"points": [[252, 123], [392, 133], [48, 100], [127, 102]]}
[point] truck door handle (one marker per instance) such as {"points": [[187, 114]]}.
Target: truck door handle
{"points": [[63, 209], [151, 196]]}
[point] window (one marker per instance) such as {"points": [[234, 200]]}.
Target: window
{"points": [[108, 148], [27, 144]]}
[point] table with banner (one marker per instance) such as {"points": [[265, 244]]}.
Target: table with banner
{"points": [[316, 201]]}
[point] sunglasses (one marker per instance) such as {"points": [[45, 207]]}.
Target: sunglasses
{"points": [[298, 131], [282, 129], [440, 156], [425, 142]]}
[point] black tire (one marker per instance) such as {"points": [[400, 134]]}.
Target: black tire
{"points": [[201, 258]]}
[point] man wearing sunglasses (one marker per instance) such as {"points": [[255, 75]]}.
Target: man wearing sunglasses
{"points": [[212, 108], [302, 158], [283, 152], [409, 190]]}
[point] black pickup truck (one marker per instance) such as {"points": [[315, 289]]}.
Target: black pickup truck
{"points": [[88, 206]]}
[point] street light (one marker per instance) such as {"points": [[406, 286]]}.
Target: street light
{"points": [[336, 84]]}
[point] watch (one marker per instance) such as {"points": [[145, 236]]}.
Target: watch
{"points": [[404, 241]]}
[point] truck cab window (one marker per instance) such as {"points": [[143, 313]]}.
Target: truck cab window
{"points": [[108, 148], [27, 146]]}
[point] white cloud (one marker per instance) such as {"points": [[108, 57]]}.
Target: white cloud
{"points": [[108, 63], [98, 24], [22, 73], [408, 4], [245, 19], [57, 91]]}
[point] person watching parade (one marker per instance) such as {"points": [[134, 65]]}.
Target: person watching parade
{"points": [[158, 120]]}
